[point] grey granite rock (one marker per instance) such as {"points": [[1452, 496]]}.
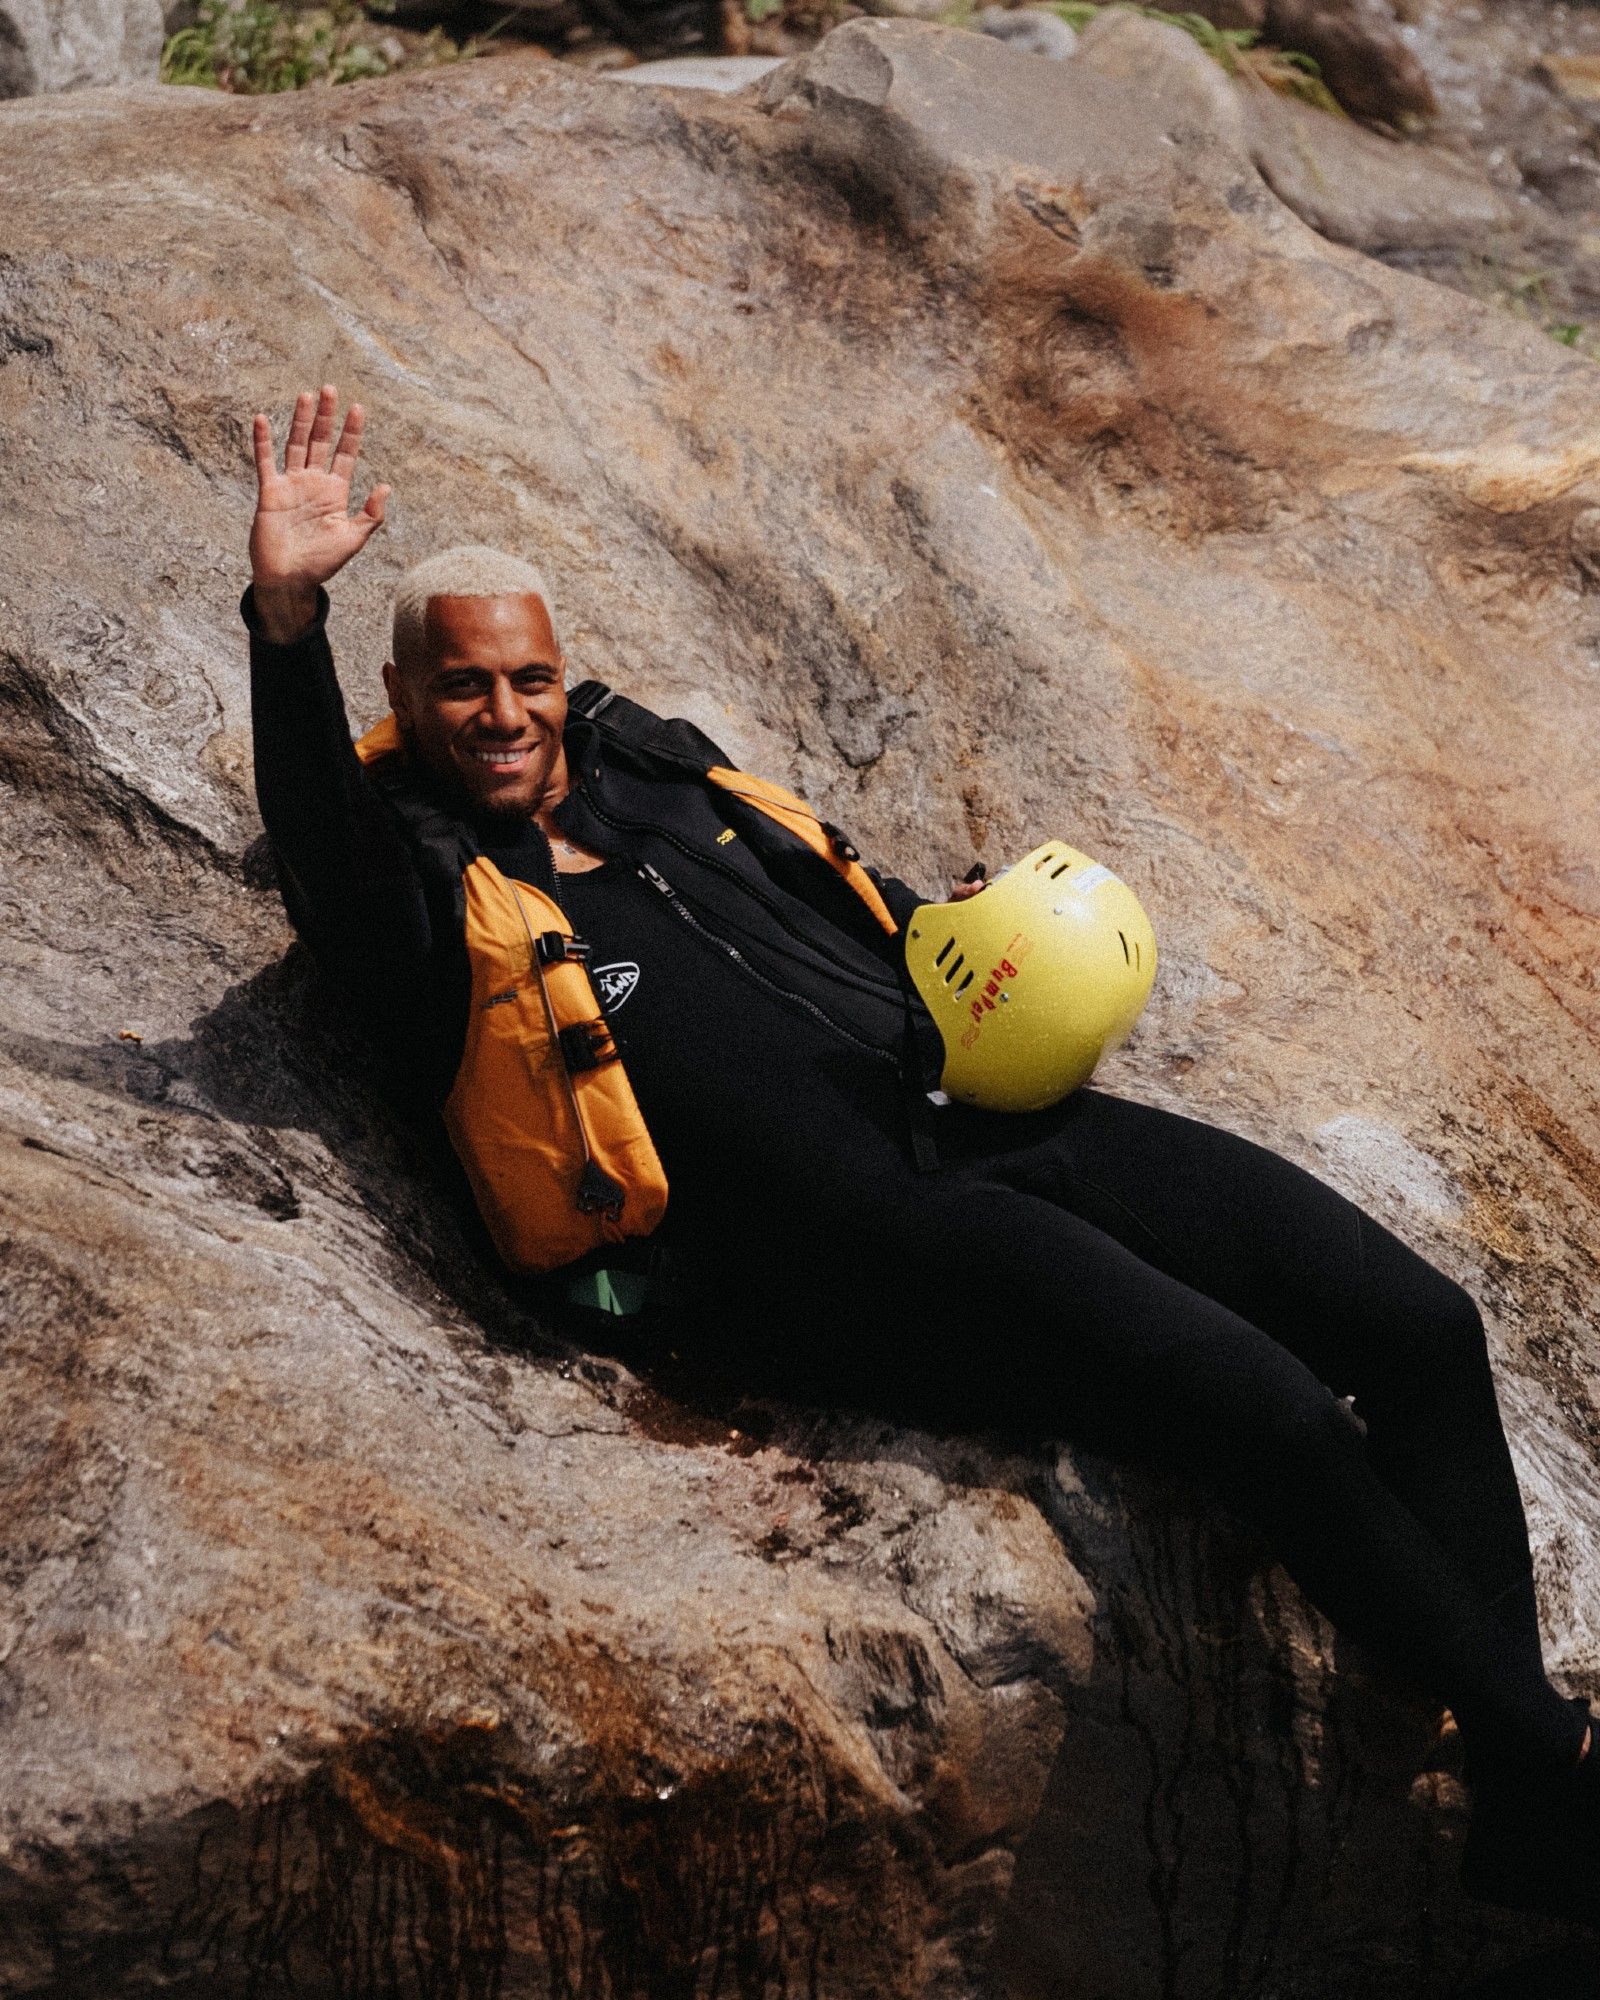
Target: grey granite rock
{"points": [[65, 44], [719, 73], [1032, 31]]}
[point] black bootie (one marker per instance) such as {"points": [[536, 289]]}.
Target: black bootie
{"points": [[1534, 1840]]}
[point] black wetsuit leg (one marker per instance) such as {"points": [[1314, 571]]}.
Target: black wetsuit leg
{"points": [[1156, 1288], [1369, 1316]]}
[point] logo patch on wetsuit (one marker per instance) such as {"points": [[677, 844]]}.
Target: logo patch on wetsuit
{"points": [[614, 983], [725, 836]]}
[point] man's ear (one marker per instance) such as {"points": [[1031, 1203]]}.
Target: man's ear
{"points": [[395, 688]]}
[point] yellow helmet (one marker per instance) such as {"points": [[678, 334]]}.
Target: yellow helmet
{"points": [[1032, 981]]}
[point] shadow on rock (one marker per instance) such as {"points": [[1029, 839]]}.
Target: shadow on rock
{"points": [[1262, 1781], [273, 1062]]}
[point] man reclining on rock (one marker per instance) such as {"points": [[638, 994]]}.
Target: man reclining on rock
{"points": [[1103, 1271]]}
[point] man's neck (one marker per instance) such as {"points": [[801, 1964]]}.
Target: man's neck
{"points": [[555, 792]]}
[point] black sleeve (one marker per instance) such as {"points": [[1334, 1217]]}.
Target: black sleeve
{"points": [[347, 878]]}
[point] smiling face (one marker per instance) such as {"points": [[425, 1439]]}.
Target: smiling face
{"points": [[485, 709]]}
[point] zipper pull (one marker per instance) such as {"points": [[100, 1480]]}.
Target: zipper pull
{"points": [[655, 880]]}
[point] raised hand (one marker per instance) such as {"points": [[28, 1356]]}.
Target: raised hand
{"points": [[304, 532]]}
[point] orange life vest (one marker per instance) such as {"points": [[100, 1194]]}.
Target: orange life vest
{"points": [[541, 1113]]}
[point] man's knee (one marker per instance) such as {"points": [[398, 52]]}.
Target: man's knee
{"points": [[1431, 1325], [1452, 1336]]}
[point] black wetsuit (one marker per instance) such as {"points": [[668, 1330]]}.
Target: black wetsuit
{"points": [[1105, 1271]]}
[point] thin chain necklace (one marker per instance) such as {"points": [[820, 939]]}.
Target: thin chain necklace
{"points": [[560, 845]]}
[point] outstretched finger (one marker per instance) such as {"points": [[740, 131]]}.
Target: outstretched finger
{"points": [[294, 452], [347, 449], [377, 500], [322, 429], [261, 445]]}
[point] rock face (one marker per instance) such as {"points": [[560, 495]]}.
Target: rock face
{"points": [[979, 444], [1514, 86], [63, 44], [1390, 198]]}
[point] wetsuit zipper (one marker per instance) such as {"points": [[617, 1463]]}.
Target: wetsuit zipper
{"points": [[681, 909], [888, 981]]}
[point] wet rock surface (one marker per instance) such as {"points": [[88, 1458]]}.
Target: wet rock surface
{"points": [[978, 443]]}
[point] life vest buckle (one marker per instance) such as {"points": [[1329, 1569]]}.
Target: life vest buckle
{"points": [[841, 843], [555, 948], [586, 1045]]}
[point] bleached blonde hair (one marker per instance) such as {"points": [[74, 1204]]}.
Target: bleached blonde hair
{"points": [[471, 570]]}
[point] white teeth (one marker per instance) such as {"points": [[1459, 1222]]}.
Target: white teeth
{"points": [[499, 756]]}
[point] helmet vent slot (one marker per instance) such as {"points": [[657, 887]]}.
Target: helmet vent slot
{"points": [[963, 986], [956, 964], [1055, 873], [1044, 861], [1127, 956], [945, 950]]}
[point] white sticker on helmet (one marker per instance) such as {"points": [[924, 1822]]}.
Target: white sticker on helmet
{"points": [[1091, 878]]}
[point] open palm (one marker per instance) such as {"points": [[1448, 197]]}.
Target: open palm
{"points": [[304, 531]]}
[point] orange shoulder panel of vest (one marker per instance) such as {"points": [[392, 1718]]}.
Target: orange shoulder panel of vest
{"points": [[381, 740], [792, 812]]}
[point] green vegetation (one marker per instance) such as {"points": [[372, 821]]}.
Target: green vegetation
{"points": [[1223, 43], [1527, 293], [255, 46]]}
